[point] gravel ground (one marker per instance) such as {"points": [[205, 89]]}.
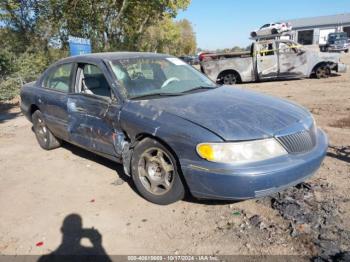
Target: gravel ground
{"points": [[46, 198]]}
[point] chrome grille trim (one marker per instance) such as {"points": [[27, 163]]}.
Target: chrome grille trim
{"points": [[299, 142]]}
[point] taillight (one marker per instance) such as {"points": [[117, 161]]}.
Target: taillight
{"points": [[201, 56]]}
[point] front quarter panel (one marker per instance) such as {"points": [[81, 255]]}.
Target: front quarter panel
{"points": [[182, 136]]}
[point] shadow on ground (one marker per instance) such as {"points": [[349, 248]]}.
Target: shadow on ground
{"points": [[5, 111], [71, 248], [118, 168], [340, 153], [120, 172]]}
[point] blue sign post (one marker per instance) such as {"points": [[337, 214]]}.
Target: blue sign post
{"points": [[79, 46]]}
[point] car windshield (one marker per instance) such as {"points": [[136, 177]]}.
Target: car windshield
{"points": [[147, 77], [337, 36]]}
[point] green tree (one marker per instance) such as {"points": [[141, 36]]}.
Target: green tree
{"points": [[176, 38], [188, 37]]}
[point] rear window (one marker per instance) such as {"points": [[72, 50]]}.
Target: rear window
{"points": [[59, 79]]}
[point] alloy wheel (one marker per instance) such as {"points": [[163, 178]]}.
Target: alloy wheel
{"points": [[156, 171], [41, 130]]}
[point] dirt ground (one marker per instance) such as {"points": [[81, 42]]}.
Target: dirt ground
{"points": [[43, 195]]}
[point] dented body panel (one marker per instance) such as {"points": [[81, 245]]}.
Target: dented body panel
{"points": [[112, 127], [270, 59]]}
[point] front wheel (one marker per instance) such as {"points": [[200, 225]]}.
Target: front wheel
{"points": [[155, 173]]}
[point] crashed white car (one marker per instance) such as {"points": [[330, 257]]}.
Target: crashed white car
{"points": [[271, 29]]}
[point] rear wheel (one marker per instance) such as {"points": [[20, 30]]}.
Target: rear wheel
{"points": [[155, 173], [228, 78], [44, 136]]}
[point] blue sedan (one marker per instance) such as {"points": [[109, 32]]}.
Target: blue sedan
{"points": [[173, 129]]}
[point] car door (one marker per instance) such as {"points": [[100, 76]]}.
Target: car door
{"points": [[93, 110], [266, 60], [52, 98], [292, 62]]}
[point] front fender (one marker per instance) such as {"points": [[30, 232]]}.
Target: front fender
{"points": [[181, 135]]}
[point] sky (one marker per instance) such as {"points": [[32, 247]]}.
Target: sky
{"points": [[228, 23]]}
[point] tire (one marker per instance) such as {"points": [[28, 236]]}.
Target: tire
{"points": [[228, 79], [322, 72], [155, 173], [44, 136], [274, 31]]}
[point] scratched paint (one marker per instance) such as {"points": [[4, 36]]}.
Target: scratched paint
{"points": [[113, 128]]}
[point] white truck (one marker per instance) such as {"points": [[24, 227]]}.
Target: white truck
{"points": [[270, 59]]}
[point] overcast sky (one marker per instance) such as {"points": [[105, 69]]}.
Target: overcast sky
{"points": [[227, 23]]}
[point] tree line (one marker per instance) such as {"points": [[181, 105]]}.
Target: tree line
{"points": [[34, 33]]}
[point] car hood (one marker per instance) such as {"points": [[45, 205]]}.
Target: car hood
{"points": [[232, 113]]}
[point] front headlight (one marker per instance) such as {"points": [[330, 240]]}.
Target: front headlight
{"points": [[241, 152]]}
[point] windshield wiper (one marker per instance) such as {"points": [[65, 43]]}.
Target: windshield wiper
{"points": [[156, 94], [199, 88]]}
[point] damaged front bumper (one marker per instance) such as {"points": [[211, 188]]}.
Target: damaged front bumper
{"points": [[218, 181]]}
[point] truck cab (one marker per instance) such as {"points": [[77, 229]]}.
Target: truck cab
{"points": [[336, 42]]}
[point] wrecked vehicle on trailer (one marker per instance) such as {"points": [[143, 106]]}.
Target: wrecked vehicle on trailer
{"points": [[268, 60], [172, 128]]}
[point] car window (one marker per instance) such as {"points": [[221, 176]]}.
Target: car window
{"points": [[266, 49], [264, 26], [143, 76], [93, 81], [60, 78]]}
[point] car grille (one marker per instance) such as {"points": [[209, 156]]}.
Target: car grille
{"points": [[299, 142]]}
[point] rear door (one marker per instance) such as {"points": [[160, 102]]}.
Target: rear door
{"points": [[93, 110], [266, 60], [53, 98]]}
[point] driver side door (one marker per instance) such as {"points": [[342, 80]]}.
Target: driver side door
{"points": [[266, 60], [93, 111]]}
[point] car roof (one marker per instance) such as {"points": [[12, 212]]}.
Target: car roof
{"points": [[109, 56]]}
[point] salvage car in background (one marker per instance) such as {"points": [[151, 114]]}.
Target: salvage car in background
{"points": [[271, 29], [191, 60], [336, 42], [270, 59], [172, 128]]}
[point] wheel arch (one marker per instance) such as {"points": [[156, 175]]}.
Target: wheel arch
{"points": [[322, 63], [141, 136], [32, 109]]}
